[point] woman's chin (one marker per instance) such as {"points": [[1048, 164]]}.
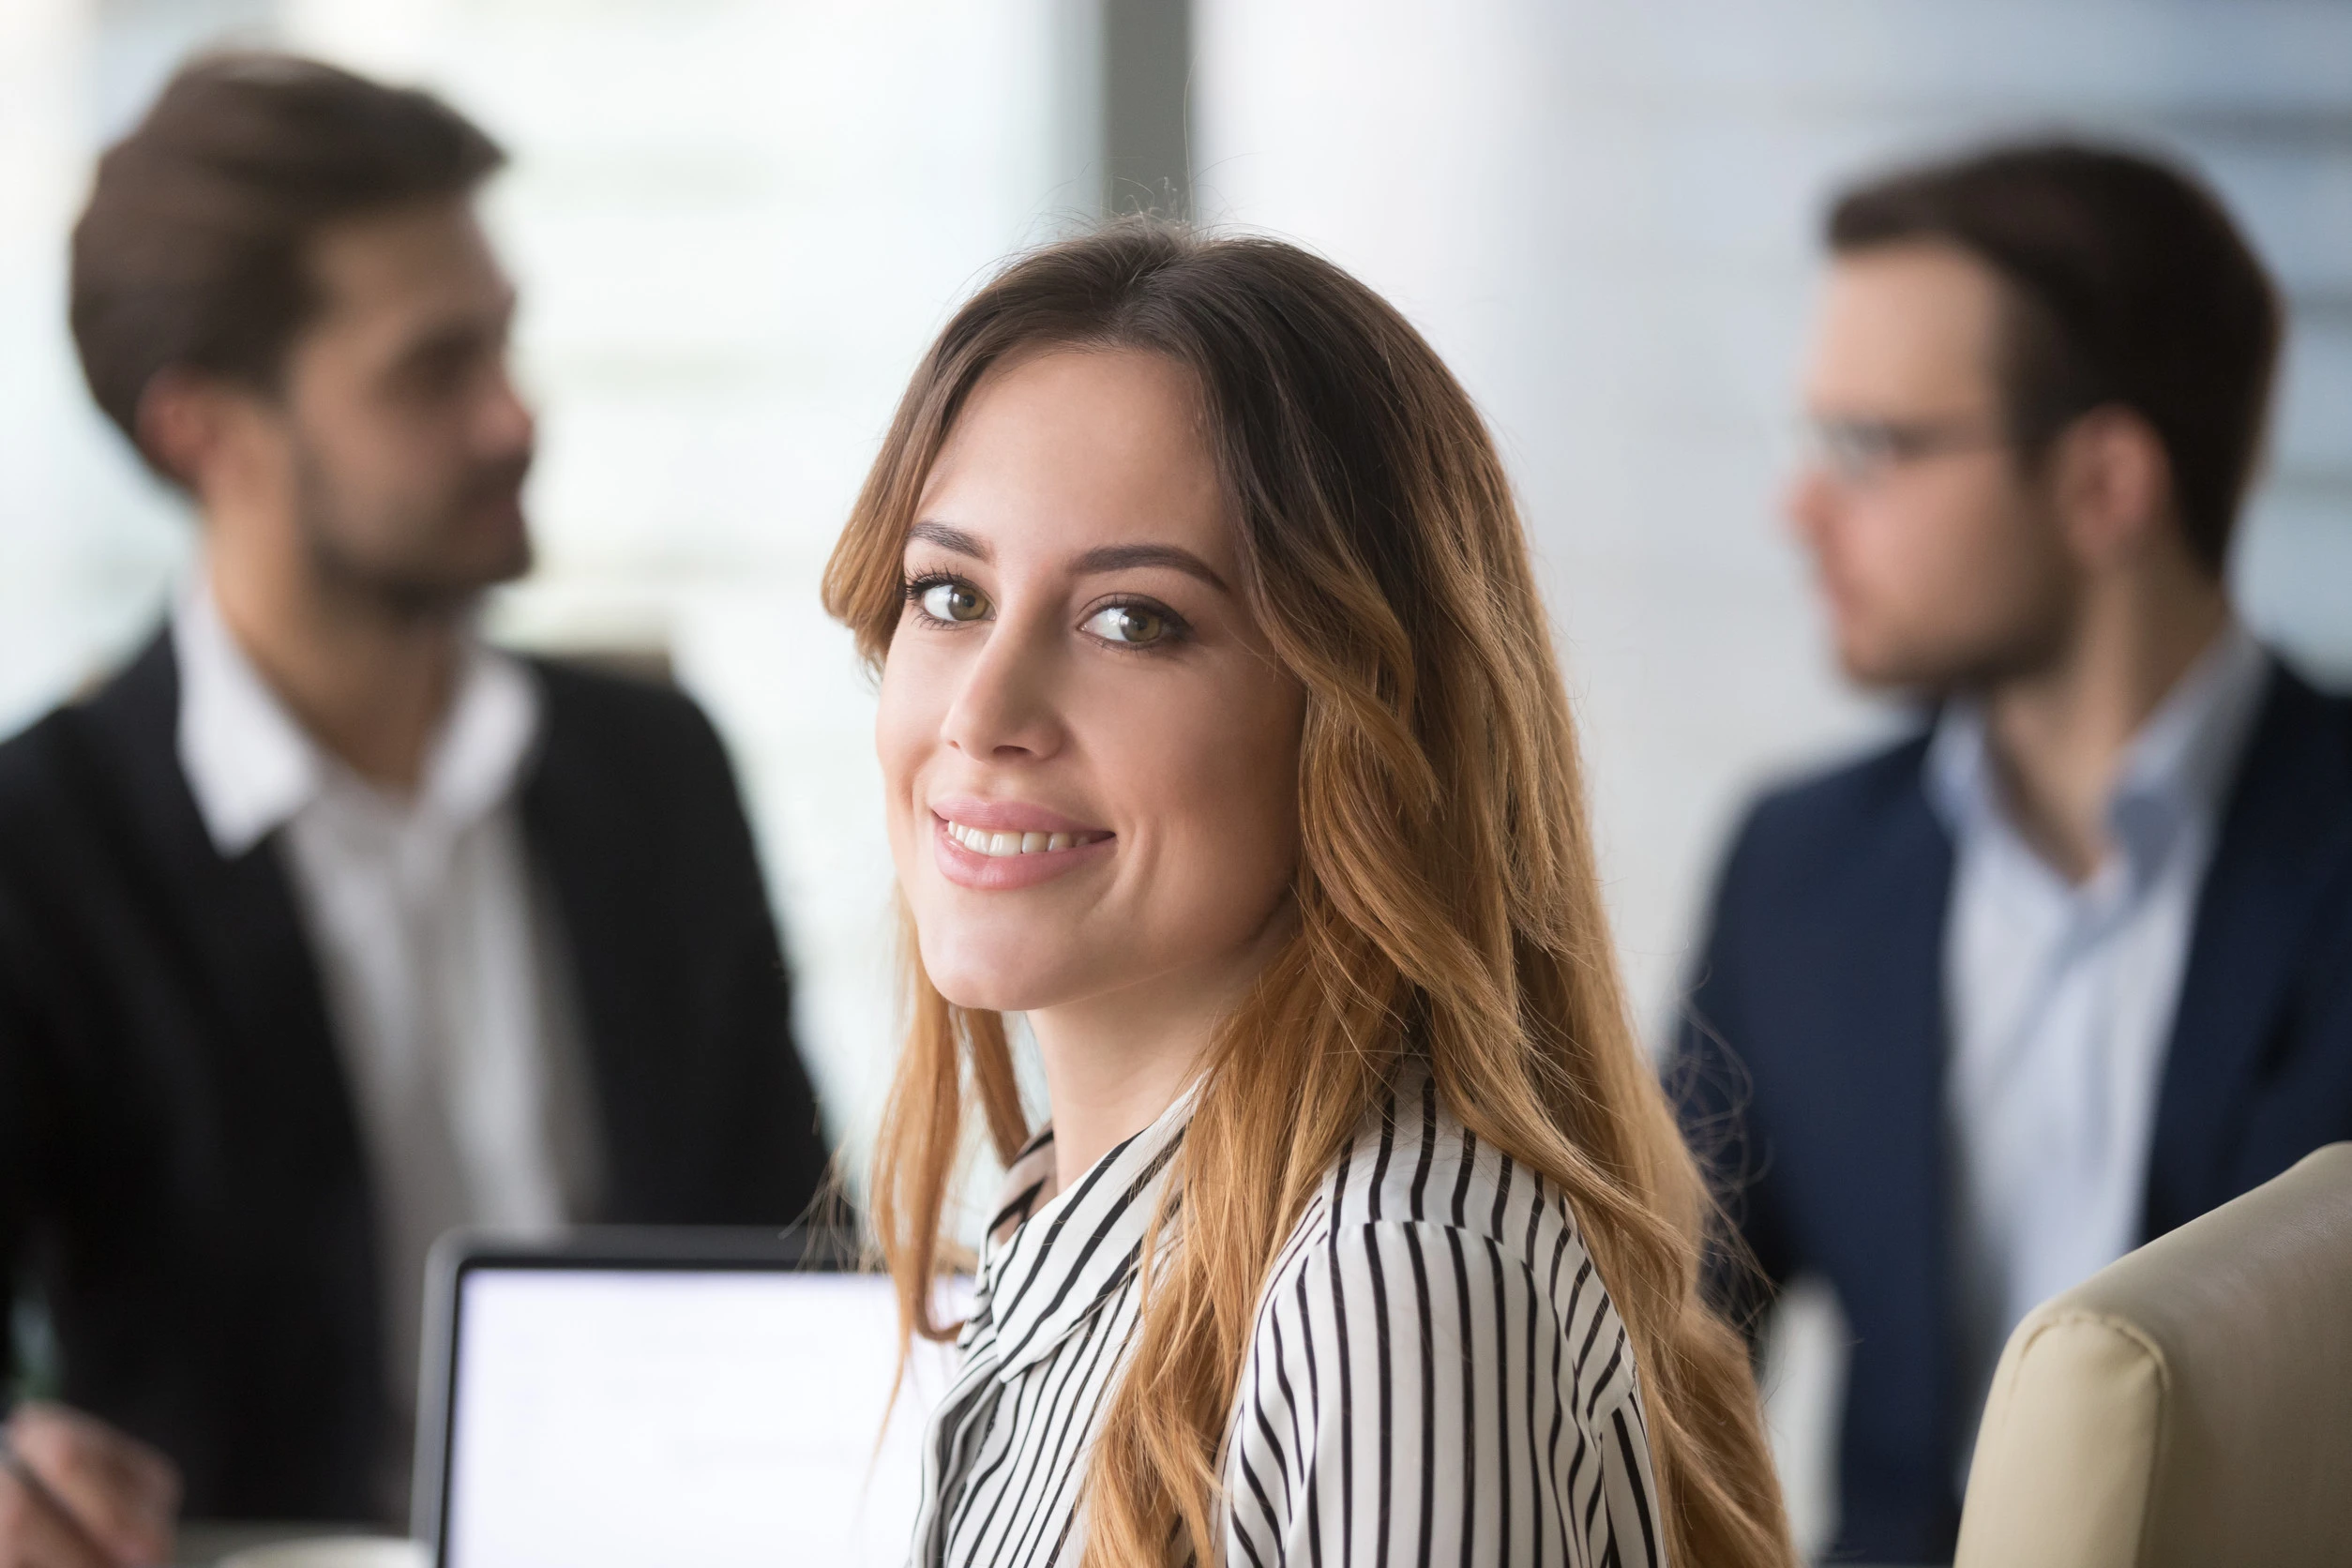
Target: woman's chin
{"points": [[986, 977]]}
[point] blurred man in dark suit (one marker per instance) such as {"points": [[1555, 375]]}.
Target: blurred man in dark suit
{"points": [[324, 926], [1979, 1014]]}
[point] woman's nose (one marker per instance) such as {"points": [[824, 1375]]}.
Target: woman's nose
{"points": [[1006, 709]]}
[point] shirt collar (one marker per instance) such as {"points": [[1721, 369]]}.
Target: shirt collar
{"points": [[1959, 769], [2177, 769], [1050, 1272], [2186, 755], [487, 740], [252, 767]]}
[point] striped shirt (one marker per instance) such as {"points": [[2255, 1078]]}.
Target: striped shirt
{"points": [[1436, 1374]]}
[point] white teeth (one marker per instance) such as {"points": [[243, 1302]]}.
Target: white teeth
{"points": [[997, 845]]}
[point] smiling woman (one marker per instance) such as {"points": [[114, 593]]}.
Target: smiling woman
{"points": [[1072, 661], [1222, 739]]}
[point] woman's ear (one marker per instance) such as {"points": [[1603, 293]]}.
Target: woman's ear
{"points": [[2111, 482]]}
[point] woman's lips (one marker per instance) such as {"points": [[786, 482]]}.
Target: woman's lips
{"points": [[1009, 846], [1008, 815]]}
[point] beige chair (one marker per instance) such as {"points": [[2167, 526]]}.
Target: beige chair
{"points": [[2189, 1404]]}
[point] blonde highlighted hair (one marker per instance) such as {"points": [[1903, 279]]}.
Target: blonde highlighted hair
{"points": [[1447, 897]]}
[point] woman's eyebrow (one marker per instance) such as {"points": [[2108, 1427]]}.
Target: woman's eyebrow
{"points": [[1112, 558], [947, 539]]}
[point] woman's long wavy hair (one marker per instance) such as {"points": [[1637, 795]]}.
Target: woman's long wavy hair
{"points": [[1447, 897]]}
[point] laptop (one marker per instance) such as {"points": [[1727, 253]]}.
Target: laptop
{"points": [[623, 1397]]}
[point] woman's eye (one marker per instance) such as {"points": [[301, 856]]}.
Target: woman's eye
{"points": [[1128, 622], [954, 601]]}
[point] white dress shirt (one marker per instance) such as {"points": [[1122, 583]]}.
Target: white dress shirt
{"points": [[442, 968], [2060, 996], [1437, 1373]]}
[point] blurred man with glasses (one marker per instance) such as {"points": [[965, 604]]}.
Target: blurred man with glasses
{"points": [[1979, 1014]]}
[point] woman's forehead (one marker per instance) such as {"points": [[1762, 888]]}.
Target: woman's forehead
{"points": [[1072, 450]]}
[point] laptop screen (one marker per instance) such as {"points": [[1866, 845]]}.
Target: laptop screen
{"points": [[613, 1415]]}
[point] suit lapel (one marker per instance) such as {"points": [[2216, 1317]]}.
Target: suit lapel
{"points": [[1897, 1015], [234, 925], [586, 850], [2284, 836]]}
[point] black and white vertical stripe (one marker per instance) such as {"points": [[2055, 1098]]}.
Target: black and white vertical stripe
{"points": [[1437, 1375], [1053, 1311]]}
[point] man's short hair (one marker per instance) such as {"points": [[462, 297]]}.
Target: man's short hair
{"points": [[192, 249], [2128, 285]]}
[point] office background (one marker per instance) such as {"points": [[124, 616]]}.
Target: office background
{"points": [[735, 223]]}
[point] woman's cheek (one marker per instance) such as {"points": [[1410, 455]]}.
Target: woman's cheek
{"points": [[902, 742], [1232, 785]]}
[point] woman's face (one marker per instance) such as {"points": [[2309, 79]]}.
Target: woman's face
{"points": [[1091, 755]]}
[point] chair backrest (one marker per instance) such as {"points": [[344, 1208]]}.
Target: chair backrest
{"points": [[2191, 1403]]}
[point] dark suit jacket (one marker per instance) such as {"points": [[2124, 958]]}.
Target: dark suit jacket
{"points": [[1811, 1063], [180, 1161]]}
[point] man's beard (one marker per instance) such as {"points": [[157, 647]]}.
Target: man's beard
{"points": [[2031, 648], [403, 589], [2033, 632]]}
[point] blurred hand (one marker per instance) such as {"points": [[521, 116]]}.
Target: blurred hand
{"points": [[104, 1500]]}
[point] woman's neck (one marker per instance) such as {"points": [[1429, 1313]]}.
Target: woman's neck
{"points": [[1115, 1061], [1105, 1084]]}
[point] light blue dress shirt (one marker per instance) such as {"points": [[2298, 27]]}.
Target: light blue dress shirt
{"points": [[2060, 999]]}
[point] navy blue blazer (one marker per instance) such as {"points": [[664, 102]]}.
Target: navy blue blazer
{"points": [[1810, 1065]]}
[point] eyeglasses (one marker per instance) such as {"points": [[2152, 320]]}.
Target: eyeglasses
{"points": [[1864, 451]]}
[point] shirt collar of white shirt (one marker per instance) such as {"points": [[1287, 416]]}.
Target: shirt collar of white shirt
{"points": [[2176, 773], [1047, 1272], [254, 768]]}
